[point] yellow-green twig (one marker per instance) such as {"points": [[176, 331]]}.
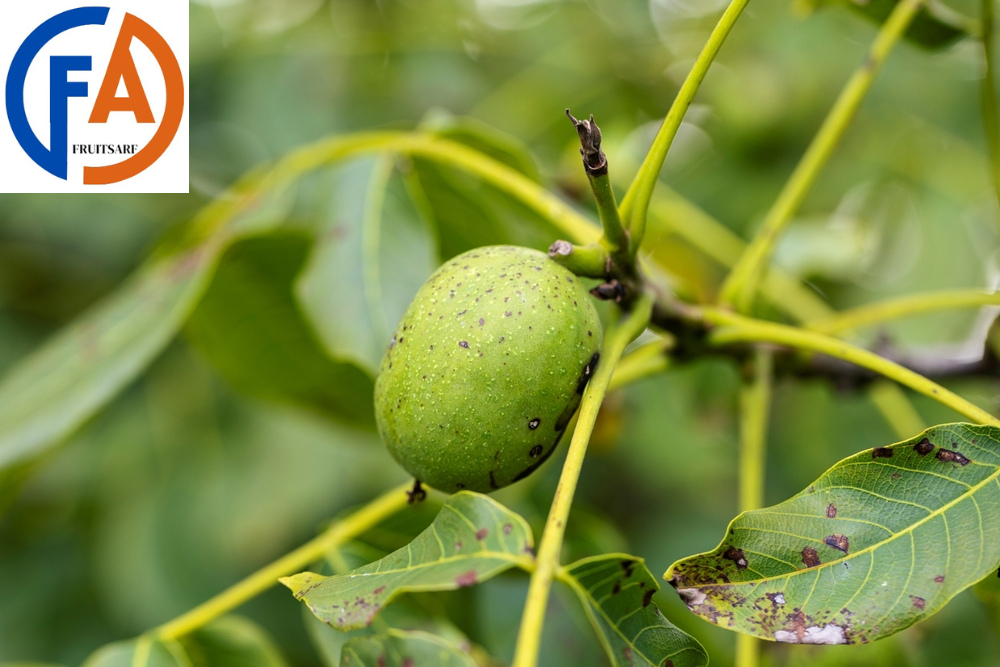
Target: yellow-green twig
{"points": [[328, 151], [350, 526], [904, 306], [737, 328], [636, 201], [755, 406], [550, 548], [742, 282]]}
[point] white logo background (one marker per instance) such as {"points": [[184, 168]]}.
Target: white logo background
{"points": [[18, 172]]}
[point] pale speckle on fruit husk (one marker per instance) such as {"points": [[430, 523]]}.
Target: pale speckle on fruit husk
{"points": [[486, 360]]}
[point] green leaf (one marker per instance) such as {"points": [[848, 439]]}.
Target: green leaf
{"points": [[49, 394], [617, 593], [399, 648], [473, 538], [232, 641], [142, 652], [57, 388], [880, 541], [250, 328], [935, 26], [373, 251]]}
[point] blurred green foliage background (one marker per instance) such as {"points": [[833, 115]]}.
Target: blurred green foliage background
{"points": [[193, 478]]}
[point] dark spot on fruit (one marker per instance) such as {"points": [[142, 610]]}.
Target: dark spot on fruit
{"points": [[924, 447], [463, 343], [949, 456], [507, 313], [881, 453], [466, 579], [481, 534], [462, 313], [919, 603], [831, 511], [507, 528], [459, 485], [629, 567], [533, 424], [810, 558], [588, 371], [535, 451], [493, 481], [939, 579], [481, 321], [501, 339], [737, 556], [392, 343], [378, 590], [458, 545], [838, 542]]}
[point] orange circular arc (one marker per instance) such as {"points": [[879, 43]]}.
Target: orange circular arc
{"points": [[172, 114]]}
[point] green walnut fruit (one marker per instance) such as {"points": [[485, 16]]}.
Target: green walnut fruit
{"points": [[486, 368]]}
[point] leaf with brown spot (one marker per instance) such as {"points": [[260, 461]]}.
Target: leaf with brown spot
{"points": [[910, 531], [465, 544], [618, 601], [403, 648]]}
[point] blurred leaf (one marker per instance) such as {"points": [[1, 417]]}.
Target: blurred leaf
{"points": [[882, 540], [58, 387], [250, 328], [617, 591], [142, 652], [935, 25], [472, 539], [398, 648], [232, 641], [373, 251], [469, 213]]}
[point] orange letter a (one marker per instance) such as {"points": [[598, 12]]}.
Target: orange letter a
{"points": [[122, 67]]}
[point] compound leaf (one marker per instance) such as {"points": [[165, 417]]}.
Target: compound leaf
{"points": [[400, 648], [882, 540], [617, 593], [473, 538]]}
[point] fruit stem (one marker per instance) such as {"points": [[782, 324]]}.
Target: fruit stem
{"points": [[619, 336], [591, 260], [339, 532]]}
